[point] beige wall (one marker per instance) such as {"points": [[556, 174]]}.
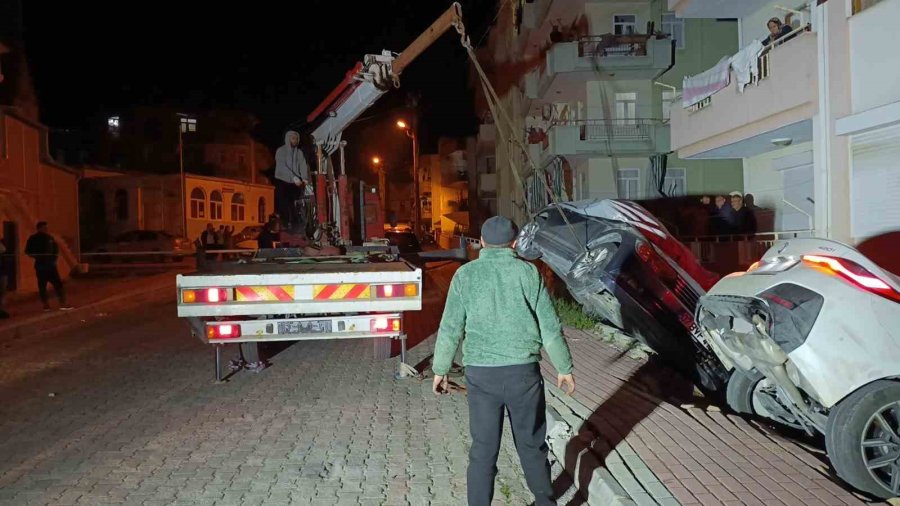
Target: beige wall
{"points": [[787, 96], [34, 188], [875, 72]]}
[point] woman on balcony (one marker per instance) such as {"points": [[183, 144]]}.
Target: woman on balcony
{"points": [[777, 30]]}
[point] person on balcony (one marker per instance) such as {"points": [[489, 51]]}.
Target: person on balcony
{"points": [[720, 217], [778, 30], [744, 218]]}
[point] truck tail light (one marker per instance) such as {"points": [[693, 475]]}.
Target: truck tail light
{"points": [[223, 331], [207, 295], [393, 291], [854, 273], [384, 324]]}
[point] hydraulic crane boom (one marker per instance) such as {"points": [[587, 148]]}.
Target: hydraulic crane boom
{"points": [[364, 84], [368, 80]]}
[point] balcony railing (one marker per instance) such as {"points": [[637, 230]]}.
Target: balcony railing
{"points": [[616, 129], [613, 45]]}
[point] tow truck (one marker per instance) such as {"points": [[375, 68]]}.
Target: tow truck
{"points": [[286, 294]]}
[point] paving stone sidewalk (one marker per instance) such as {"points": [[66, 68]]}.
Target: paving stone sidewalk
{"points": [[664, 447]]}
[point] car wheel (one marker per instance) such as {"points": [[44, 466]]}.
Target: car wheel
{"points": [[739, 394], [863, 439], [587, 271], [525, 245]]}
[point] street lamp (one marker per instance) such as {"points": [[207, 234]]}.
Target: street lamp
{"points": [[379, 169], [403, 125], [186, 124]]}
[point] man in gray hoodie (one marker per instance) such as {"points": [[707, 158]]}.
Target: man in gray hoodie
{"points": [[291, 177]]}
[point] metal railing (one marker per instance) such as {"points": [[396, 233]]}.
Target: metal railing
{"points": [[613, 45], [638, 129]]}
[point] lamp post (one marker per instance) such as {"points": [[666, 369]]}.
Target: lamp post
{"points": [[403, 125], [379, 169], [186, 124]]}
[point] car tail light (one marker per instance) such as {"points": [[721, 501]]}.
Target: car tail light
{"points": [[658, 264], [207, 295], [393, 291], [223, 331], [854, 273], [384, 324]]}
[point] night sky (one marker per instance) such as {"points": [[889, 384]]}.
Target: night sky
{"points": [[277, 60]]}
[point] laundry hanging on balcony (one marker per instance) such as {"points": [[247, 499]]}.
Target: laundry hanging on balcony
{"points": [[697, 88], [745, 64]]}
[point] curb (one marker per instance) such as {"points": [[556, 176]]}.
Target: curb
{"points": [[43, 323], [621, 479]]}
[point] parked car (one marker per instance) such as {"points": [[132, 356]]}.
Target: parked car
{"points": [[622, 264], [143, 241], [404, 239], [811, 334]]}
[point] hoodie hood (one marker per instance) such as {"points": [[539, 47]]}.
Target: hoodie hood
{"points": [[287, 137]]}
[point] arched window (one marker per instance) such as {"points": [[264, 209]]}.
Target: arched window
{"points": [[261, 211], [215, 205], [121, 203], [198, 203], [237, 207]]}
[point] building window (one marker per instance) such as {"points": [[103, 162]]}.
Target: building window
{"points": [[188, 124], [629, 181], [668, 100], [215, 205], [121, 202], [674, 27], [198, 203], [490, 165], [624, 24], [261, 210], [237, 207], [676, 182], [626, 107]]}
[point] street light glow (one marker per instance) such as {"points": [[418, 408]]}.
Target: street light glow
{"points": [[376, 160], [401, 124]]}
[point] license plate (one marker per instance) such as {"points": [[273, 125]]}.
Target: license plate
{"points": [[305, 327]]}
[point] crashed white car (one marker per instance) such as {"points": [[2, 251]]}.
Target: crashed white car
{"points": [[812, 333]]}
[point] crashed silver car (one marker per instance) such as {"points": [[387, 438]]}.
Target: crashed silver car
{"points": [[812, 335], [621, 264]]}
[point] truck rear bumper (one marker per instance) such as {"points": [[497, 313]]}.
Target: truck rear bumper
{"points": [[300, 329]]}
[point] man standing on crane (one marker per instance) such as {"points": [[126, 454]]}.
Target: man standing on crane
{"points": [[291, 179], [501, 305]]}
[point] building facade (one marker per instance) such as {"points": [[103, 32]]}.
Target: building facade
{"points": [[116, 204], [588, 83], [817, 128], [33, 187]]}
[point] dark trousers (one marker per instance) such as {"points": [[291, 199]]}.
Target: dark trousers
{"points": [[49, 274], [517, 390], [285, 194]]}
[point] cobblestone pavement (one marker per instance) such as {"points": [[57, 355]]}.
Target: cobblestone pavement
{"points": [[661, 443], [125, 411]]}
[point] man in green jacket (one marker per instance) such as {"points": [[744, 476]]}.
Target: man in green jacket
{"points": [[501, 305]]}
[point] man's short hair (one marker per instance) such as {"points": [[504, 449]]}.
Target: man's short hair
{"points": [[41, 224]]}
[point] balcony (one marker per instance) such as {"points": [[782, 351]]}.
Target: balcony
{"points": [[601, 137], [712, 9], [779, 104], [594, 58]]}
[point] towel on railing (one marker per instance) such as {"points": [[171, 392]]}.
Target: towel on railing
{"points": [[745, 64], [698, 87]]}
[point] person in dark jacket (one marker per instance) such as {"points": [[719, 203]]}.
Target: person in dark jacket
{"points": [[42, 247], [269, 233], [744, 218], [721, 217], [777, 30], [5, 271]]}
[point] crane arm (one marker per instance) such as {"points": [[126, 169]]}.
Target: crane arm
{"points": [[367, 81]]}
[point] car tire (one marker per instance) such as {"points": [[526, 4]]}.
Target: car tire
{"points": [[525, 242], [587, 273], [852, 421], [739, 392]]}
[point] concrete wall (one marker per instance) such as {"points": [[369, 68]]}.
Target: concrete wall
{"points": [[765, 177], [34, 188], [873, 43]]}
